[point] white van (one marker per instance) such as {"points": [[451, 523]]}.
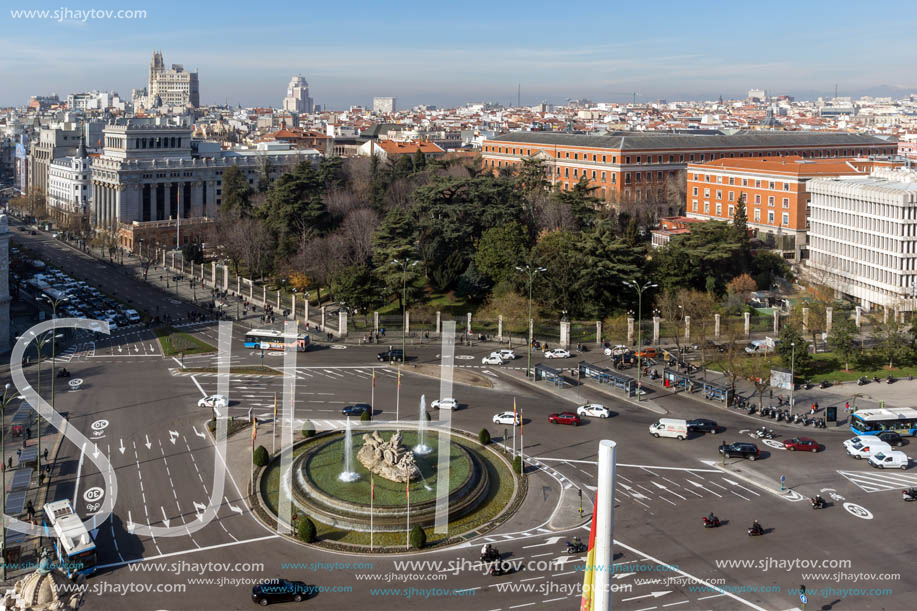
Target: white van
{"points": [[868, 448], [132, 315], [894, 459], [670, 427]]}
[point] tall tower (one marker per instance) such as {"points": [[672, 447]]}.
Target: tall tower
{"points": [[298, 99], [156, 68]]}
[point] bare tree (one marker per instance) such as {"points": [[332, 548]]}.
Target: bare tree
{"points": [[341, 202], [257, 246], [318, 259], [357, 232], [231, 239]]}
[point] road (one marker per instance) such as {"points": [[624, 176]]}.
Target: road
{"points": [[139, 410]]}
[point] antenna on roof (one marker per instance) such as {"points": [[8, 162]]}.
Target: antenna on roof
{"points": [[518, 94]]}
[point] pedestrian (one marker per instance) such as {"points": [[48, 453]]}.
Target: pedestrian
{"points": [[847, 407], [45, 454], [9, 462], [28, 433]]}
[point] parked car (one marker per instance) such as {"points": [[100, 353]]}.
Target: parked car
{"points": [[445, 403], [802, 444], [618, 350], [740, 449], [395, 354], [647, 353], [280, 590], [596, 410], [213, 401], [891, 438], [557, 353], [564, 418], [356, 409], [506, 418], [896, 459], [703, 425], [492, 359]]}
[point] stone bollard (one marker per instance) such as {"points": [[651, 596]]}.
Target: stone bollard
{"points": [[656, 323], [565, 333], [776, 322], [630, 330], [598, 333], [687, 329], [829, 315], [716, 326], [747, 324], [499, 327]]}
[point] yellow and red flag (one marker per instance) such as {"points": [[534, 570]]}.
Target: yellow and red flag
{"points": [[587, 602], [374, 377]]}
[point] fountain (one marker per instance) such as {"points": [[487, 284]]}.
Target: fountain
{"points": [[422, 449], [348, 474]]}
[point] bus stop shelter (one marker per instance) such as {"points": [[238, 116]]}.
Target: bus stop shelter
{"points": [[608, 376], [549, 374], [676, 380], [717, 392]]}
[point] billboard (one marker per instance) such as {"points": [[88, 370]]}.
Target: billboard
{"points": [[781, 378]]}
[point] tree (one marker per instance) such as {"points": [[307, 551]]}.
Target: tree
{"points": [[606, 262], [294, 204], [560, 286], [517, 464], [484, 437], [581, 201], [740, 229], [671, 305], [356, 232], [700, 307], [735, 355], [260, 457], [891, 341], [418, 537], [843, 338], [366, 416], [236, 194], [757, 369], [257, 246], [742, 286], [767, 266], [193, 252], [793, 357], [305, 530], [512, 306], [420, 160], [500, 250], [710, 250], [472, 285], [357, 286]]}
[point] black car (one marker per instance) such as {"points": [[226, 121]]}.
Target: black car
{"points": [[395, 354], [702, 425], [891, 437], [740, 449], [280, 590], [356, 409]]}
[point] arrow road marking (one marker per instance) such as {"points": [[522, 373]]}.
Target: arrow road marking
{"points": [[96, 453], [232, 507], [173, 435], [197, 433], [653, 594], [119, 349], [122, 448], [165, 520], [695, 484], [623, 575], [669, 491], [130, 522], [549, 541], [148, 444], [729, 481], [198, 508], [136, 349]]}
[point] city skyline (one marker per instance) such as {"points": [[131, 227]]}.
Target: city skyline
{"points": [[428, 54]]}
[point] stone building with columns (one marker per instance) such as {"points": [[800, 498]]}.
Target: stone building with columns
{"points": [[154, 172]]}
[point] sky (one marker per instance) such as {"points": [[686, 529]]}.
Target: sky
{"points": [[449, 53]]}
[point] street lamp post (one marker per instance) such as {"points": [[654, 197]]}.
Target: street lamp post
{"points": [[3, 403], [637, 287], [792, 377], [531, 271], [404, 264], [54, 336]]}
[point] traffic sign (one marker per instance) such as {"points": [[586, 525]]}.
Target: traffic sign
{"points": [[803, 599]]}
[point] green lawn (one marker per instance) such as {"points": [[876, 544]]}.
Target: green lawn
{"points": [[828, 366], [176, 342]]}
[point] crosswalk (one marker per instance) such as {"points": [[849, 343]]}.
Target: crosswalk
{"points": [[879, 481]]}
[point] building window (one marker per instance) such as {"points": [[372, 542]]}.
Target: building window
{"points": [[757, 215], [732, 180], [786, 202], [786, 219], [603, 158], [732, 196], [732, 211], [757, 184], [694, 191], [786, 186], [719, 209], [744, 182], [770, 200], [694, 205], [627, 159], [614, 178], [627, 178], [719, 179], [638, 176], [567, 172], [575, 172], [658, 175], [773, 186], [593, 174], [757, 198], [719, 194], [770, 217], [706, 192], [639, 159], [706, 207]]}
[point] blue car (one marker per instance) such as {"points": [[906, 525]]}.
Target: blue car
{"points": [[356, 409]]}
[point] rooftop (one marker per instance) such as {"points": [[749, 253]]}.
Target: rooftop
{"points": [[794, 165]]}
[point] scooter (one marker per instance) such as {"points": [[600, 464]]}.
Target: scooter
{"points": [[909, 495], [824, 384], [575, 547], [820, 423], [779, 416], [500, 568], [817, 502], [862, 381], [764, 433], [890, 379], [806, 421], [63, 373], [756, 531], [797, 419], [708, 523], [490, 556]]}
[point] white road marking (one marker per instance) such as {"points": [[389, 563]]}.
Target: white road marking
{"points": [[79, 469]]}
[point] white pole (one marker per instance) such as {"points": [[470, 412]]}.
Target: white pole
{"points": [[604, 524], [398, 398]]}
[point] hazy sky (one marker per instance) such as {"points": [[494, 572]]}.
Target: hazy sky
{"points": [[447, 53]]}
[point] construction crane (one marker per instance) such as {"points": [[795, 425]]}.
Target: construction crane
{"points": [[634, 94]]}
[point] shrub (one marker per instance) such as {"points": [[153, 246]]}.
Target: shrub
{"points": [[418, 537], [308, 429], [484, 437], [517, 464], [261, 457], [305, 529], [365, 416]]}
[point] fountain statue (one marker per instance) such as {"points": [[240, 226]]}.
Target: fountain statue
{"points": [[388, 459], [348, 474], [422, 449]]}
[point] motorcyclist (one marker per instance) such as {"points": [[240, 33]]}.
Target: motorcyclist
{"points": [[756, 527], [486, 551], [575, 544], [818, 501], [711, 518]]}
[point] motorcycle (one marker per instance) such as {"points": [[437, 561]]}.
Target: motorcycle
{"points": [[63, 373], [764, 433], [708, 523], [756, 531], [806, 421], [575, 547], [890, 379], [824, 384], [817, 502], [779, 416], [909, 495], [820, 423], [491, 555], [863, 380], [807, 384], [875, 379], [500, 568], [797, 419], [750, 409]]}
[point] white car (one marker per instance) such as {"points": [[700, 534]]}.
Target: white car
{"points": [[618, 350], [506, 418], [596, 410], [557, 353], [447, 403], [506, 354], [493, 359], [213, 401]]}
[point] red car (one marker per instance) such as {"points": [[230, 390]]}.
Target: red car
{"points": [[803, 444], [564, 418]]}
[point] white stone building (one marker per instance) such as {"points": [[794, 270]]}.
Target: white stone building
{"points": [[70, 185], [173, 87], [298, 100], [863, 237], [385, 105], [153, 172]]}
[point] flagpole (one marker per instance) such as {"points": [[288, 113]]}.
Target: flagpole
{"points": [[372, 498], [521, 442], [398, 397], [514, 427], [372, 394], [274, 428], [407, 533]]}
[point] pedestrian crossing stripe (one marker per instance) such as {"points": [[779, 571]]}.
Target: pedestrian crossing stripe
{"points": [[870, 481]]}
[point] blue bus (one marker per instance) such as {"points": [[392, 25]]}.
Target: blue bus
{"points": [[272, 339], [76, 549], [902, 420]]}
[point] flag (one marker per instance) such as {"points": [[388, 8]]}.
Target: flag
{"points": [[514, 410], [372, 488], [587, 602], [275, 407], [407, 491], [374, 377], [521, 429], [399, 378], [254, 432]]}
